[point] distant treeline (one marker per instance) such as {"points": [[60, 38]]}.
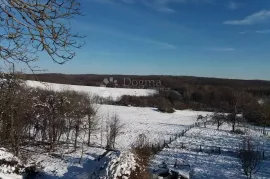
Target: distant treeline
{"points": [[177, 83], [249, 97]]}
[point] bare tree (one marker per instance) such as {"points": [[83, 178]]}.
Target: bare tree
{"points": [[31, 26], [203, 119], [78, 114], [15, 112], [92, 119], [43, 117], [265, 115], [113, 129], [218, 119], [239, 101], [249, 157], [233, 119]]}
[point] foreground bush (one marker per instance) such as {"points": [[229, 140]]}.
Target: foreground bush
{"points": [[166, 110]]}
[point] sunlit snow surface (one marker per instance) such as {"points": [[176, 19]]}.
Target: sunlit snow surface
{"points": [[157, 127], [209, 164], [114, 93]]}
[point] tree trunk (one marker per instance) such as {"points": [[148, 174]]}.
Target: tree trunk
{"points": [[89, 136], [76, 136]]}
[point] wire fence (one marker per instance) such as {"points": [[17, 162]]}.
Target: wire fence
{"points": [[262, 130], [158, 147], [211, 149]]}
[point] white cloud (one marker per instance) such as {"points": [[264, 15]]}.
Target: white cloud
{"points": [[256, 18], [128, 1], [223, 49], [158, 5], [162, 45], [116, 33], [113, 1], [232, 5], [162, 5], [263, 31], [103, 1]]}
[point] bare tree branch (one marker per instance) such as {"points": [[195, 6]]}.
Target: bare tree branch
{"points": [[32, 26]]}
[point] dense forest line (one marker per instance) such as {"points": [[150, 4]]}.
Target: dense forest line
{"points": [[178, 83], [249, 97]]}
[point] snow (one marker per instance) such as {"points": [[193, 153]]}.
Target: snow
{"points": [[6, 171], [121, 165], [207, 162], [68, 164], [155, 125], [10, 176], [158, 127], [114, 93]]}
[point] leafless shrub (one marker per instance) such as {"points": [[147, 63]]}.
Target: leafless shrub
{"points": [[113, 130], [218, 119], [249, 157], [165, 107], [233, 119], [203, 119]]}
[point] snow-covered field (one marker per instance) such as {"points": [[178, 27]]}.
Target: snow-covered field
{"points": [[199, 148], [157, 126], [114, 93]]}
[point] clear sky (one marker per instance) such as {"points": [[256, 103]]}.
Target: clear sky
{"points": [[213, 38]]}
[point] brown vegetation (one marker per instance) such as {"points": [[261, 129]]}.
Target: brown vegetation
{"points": [[42, 117], [142, 149]]}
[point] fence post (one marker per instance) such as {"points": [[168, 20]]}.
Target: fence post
{"points": [[200, 148], [175, 164]]}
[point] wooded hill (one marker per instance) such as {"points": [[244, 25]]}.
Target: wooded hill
{"points": [[178, 83]]}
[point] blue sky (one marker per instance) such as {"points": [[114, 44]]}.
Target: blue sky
{"points": [[213, 38]]}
